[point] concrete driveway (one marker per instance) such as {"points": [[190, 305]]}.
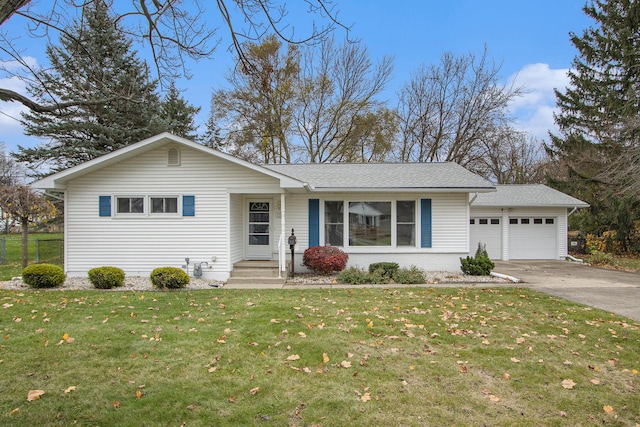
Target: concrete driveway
{"points": [[611, 290]]}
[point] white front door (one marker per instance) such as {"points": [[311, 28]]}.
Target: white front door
{"points": [[258, 243]]}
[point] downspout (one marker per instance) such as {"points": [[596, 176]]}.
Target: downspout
{"points": [[574, 209], [473, 199]]}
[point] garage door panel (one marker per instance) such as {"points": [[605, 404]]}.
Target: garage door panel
{"points": [[532, 238], [487, 232]]}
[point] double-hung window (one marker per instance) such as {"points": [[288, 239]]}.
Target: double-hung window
{"points": [[406, 223], [334, 223]]}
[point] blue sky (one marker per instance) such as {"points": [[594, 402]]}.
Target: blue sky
{"points": [[530, 39]]}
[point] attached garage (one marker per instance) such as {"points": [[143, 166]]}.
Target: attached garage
{"points": [[521, 222]]}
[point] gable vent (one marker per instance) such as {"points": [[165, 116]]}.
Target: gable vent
{"points": [[173, 157]]}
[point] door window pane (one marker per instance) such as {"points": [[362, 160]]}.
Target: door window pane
{"points": [[259, 223]]}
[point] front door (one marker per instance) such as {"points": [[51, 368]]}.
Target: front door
{"points": [[258, 243]]}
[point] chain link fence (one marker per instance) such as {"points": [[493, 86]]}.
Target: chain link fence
{"points": [[41, 250]]}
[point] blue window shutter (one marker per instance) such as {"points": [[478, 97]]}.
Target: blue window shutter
{"points": [[188, 205], [314, 222], [104, 206], [425, 223]]}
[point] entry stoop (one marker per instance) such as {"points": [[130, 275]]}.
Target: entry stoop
{"points": [[256, 274]]}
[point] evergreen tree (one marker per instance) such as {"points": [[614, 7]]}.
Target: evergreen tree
{"points": [[115, 103], [597, 118], [177, 115]]}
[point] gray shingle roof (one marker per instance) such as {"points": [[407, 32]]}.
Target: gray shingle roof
{"points": [[345, 176], [527, 195]]}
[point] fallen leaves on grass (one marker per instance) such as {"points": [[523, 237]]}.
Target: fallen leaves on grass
{"points": [[568, 384], [609, 409], [34, 395], [69, 389]]}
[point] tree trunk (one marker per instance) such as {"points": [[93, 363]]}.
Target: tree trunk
{"points": [[8, 7], [24, 221]]}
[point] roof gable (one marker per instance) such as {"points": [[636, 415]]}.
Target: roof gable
{"points": [[58, 180]]}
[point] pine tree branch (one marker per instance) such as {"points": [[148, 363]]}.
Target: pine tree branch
{"points": [[12, 96]]}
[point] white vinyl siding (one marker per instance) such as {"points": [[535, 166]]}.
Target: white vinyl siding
{"points": [[138, 245]]}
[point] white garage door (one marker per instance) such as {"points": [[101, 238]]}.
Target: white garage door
{"points": [[487, 231], [532, 238]]}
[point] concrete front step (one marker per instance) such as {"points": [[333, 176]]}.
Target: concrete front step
{"points": [[256, 273], [256, 264], [256, 281]]}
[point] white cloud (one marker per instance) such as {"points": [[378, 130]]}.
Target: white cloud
{"points": [[534, 110]]}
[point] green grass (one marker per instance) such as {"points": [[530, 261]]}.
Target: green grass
{"points": [[409, 357], [49, 252]]}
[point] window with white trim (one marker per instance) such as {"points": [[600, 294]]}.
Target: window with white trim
{"points": [[406, 222], [130, 204], [334, 223], [370, 223], [164, 204]]}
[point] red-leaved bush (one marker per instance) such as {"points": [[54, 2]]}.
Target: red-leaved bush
{"points": [[325, 259]]}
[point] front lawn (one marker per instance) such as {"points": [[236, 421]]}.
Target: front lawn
{"points": [[410, 357]]}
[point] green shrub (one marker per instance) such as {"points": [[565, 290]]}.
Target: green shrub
{"points": [[481, 266], [169, 277], [386, 269], [377, 277], [43, 275], [409, 276], [353, 276], [106, 277], [325, 259], [601, 258], [482, 251]]}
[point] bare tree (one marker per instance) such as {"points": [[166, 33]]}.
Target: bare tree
{"points": [[510, 156], [173, 31], [338, 88], [447, 110]]}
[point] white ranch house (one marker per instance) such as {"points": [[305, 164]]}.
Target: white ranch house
{"points": [[164, 199]]}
